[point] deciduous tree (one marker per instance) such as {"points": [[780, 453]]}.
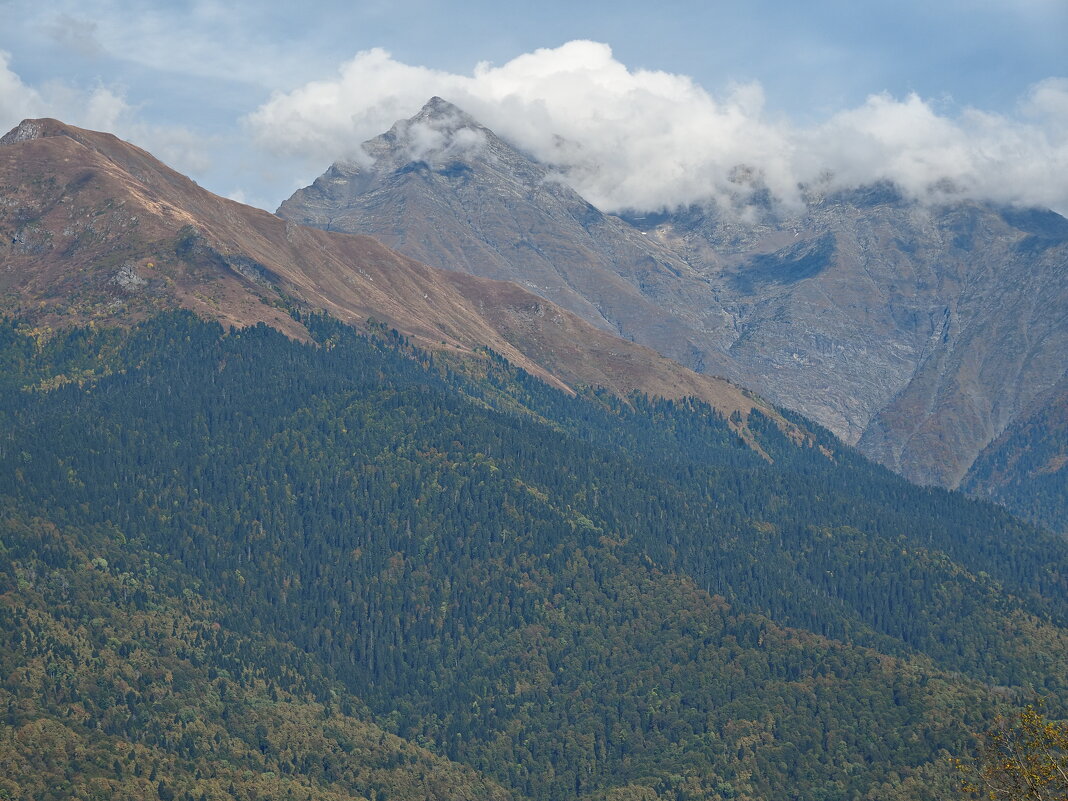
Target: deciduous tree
{"points": [[1024, 758]]}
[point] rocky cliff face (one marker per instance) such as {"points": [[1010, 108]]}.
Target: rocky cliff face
{"points": [[917, 333]]}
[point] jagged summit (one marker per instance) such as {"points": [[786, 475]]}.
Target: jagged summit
{"points": [[441, 137], [111, 155], [444, 189], [46, 127], [25, 131], [438, 115], [438, 110]]}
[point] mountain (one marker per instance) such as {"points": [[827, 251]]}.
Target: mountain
{"points": [[919, 333], [239, 565], [445, 190], [95, 229], [277, 550]]}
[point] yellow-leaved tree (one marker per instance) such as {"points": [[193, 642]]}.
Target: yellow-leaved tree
{"points": [[1023, 758]]}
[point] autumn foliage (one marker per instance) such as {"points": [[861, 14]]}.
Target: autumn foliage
{"points": [[1020, 759]]}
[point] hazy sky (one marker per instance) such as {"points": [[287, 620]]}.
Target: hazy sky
{"points": [[653, 106]]}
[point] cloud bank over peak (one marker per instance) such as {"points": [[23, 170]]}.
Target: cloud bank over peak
{"points": [[439, 133], [648, 140]]}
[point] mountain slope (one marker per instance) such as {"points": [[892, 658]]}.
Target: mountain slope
{"points": [[96, 229], [919, 333], [445, 190], [1024, 468], [574, 597], [118, 686]]}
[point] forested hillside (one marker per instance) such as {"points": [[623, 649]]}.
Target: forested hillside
{"points": [[240, 566], [116, 689], [1024, 468]]}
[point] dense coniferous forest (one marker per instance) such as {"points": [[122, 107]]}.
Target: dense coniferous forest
{"points": [[238, 566], [1024, 469]]}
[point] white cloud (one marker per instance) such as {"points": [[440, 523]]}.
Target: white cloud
{"points": [[1048, 102], [975, 154], [17, 101], [99, 109], [647, 139]]}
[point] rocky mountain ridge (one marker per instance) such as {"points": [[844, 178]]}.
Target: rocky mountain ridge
{"points": [[918, 333], [96, 229]]}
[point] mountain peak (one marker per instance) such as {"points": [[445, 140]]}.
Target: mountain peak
{"points": [[97, 229], [445, 190], [34, 129], [442, 116], [439, 133], [437, 107]]}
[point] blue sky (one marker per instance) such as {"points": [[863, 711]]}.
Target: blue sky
{"points": [[191, 81]]}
